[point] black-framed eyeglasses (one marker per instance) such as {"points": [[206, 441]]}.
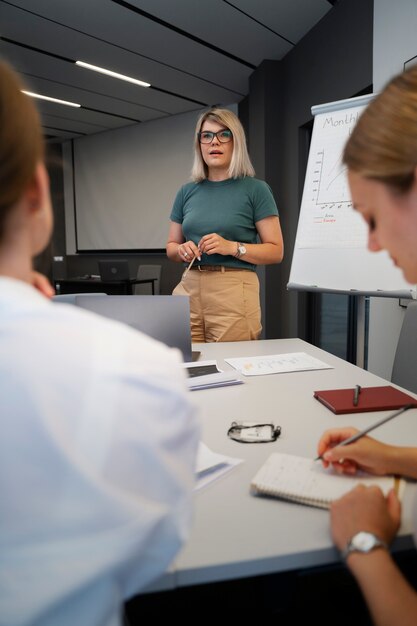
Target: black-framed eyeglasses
{"points": [[251, 432], [207, 136]]}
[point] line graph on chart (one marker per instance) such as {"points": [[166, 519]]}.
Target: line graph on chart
{"points": [[332, 186], [327, 216]]}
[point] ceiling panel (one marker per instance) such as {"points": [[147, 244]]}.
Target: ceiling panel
{"points": [[293, 19], [221, 24], [128, 110], [193, 52], [56, 133], [120, 27], [40, 33], [43, 66], [66, 124], [101, 121]]}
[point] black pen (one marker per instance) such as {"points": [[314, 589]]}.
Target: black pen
{"points": [[356, 393], [362, 433]]}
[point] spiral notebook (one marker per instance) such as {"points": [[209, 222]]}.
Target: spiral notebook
{"points": [[306, 481]]}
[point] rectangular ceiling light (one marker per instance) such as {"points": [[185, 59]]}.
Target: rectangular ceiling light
{"points": [[102, 70], [38, 95]]}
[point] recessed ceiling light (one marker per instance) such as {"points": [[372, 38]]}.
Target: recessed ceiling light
{"points": [[102, 70], [41, 97]]}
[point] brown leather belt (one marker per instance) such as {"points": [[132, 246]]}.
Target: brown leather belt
{"points": [[218, 268]]}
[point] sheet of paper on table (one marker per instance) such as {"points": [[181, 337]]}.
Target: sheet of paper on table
{"points": [[206, 375], [210, 466], [277, 364]]}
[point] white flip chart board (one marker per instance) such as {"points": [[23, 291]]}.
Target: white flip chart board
{"points": [[330, 252]]}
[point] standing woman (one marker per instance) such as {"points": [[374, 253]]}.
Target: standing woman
{"points": [[217, 220], [381, 156]]}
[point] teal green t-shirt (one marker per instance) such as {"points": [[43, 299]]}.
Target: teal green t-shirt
{"points": [[229, 208]]}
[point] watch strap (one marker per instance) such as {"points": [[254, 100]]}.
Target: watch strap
{"points": [[241, 249], [372, 543]]}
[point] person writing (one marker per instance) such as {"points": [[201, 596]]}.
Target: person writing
{"points": [[381, 156], [216, 222], [98, 439]]}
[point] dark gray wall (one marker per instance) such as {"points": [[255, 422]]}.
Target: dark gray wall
{"points": [[332, 62], [57, 245]]}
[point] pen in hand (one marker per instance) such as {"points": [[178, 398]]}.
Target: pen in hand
{"points": [[356, 393], [364, 432], [187, 269]]}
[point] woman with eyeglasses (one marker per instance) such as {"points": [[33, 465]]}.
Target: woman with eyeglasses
{"points": [[381, 156], [98, 439], [225, 222]]}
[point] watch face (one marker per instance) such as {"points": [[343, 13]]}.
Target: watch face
{"points": [[364, 541], [242, 250]]}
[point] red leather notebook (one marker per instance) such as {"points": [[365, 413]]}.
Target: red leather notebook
{"points": [[370, 399]]}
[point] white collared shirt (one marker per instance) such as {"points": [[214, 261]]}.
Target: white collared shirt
{"points": [[97, 455]]}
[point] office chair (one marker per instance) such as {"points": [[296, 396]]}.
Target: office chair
{"points": [[148, 271], [404, 370]]}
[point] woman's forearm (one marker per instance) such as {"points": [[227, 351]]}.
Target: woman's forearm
{"points": [[172, 248], [402, 461], [256, 253], [391, 600], [263, 253], [269, 250], [388, 595]]}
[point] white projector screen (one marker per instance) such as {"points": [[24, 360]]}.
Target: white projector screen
{"points": [[125, 182]]}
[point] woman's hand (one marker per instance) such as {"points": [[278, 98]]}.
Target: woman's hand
{"points": [[179, 250], [365, 454], [42, 284], [214, 244], [187, 251], [365, 509]]}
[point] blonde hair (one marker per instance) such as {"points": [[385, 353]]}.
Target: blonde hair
{"points": [[383, 144], [240, 164], [21, 141]]}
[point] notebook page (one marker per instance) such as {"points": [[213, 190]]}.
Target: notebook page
{"points": [[304, 480]]}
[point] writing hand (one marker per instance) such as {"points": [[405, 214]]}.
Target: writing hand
{"points": [[365, 454], [365, 509], [214, 244], [42, 284]]}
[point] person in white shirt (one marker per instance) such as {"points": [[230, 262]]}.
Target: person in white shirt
{"points": [[98, 438]]}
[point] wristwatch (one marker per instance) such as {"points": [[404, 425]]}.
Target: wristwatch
{"points": [[363, 542], [241, 250]]}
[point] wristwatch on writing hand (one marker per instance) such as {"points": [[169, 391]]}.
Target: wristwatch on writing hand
{"points": [[363, 542], [241, 250]]}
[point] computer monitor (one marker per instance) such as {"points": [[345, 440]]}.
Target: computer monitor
{"points": [[166, 318]]}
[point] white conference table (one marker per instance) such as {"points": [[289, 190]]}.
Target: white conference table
{"points": [[237, 535]]}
